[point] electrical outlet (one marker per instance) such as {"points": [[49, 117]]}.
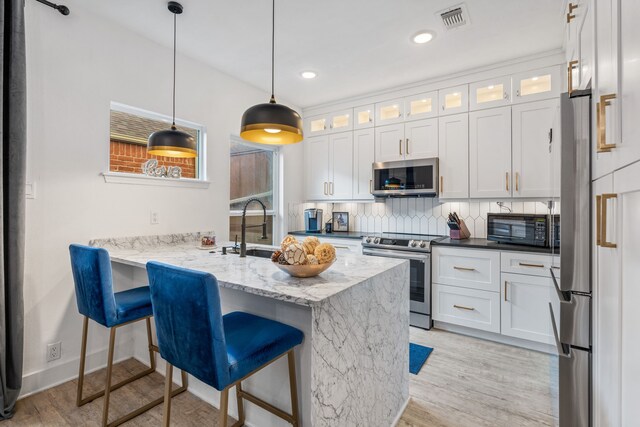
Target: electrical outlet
{"points": [[54, 351], [154, 218]]}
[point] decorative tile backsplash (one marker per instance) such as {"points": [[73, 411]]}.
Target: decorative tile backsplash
{"points": [[413, 215]]}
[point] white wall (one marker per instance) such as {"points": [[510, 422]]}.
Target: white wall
{"points": [[76, 66]]}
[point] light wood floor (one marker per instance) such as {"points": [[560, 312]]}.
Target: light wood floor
{"points": [[465, 382]]}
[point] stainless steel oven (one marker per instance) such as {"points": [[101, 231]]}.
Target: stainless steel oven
{"points": [[417, 250], [408, 178]]}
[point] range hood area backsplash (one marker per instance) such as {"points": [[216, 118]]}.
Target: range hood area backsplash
{"points": [[413, 215]]}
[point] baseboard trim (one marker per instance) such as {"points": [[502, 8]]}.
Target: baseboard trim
{"points": [[396, 420], [491, 336], [47, 378]]}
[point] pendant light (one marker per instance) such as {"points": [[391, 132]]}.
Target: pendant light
{"points": [[172, 142], [271, 123]]}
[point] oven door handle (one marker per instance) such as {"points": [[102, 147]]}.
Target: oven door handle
{"points": [[394, 254]]}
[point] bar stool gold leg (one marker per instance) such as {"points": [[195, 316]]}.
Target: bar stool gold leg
{"points": [[166, 414], [107, 388], [224, 406], [152, 355], [294, 388], [240, 404], [83, 356]]}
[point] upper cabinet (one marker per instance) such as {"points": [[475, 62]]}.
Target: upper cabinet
{"points": [[388, 112], [364, 116], [405, 141], [341, 121], [314, 126], [490, 93], [537, 85], [421, 106], [338, 121], [454, 100], [363, 158], [453, 153], [329, 166]]}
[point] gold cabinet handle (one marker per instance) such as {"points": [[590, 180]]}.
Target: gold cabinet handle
{"points": [[507, 180], [524, 264], [455, 267], [462, 307], [325, 189], [505, 291], [400, 146], [407, 146], [331, 188], [603, 227], [570, 67], [517, 181], [598, 220], [570, 15], [601, 123], [441, 184], [370, 186]]}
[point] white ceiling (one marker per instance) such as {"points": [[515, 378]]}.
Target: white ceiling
{"points": [[355, 46]]}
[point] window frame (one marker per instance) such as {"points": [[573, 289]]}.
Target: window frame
{"points": [[274, 211], [139, 178]]}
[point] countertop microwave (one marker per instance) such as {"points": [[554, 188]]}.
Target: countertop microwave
{"points": [[407, 178], [520, 229]]}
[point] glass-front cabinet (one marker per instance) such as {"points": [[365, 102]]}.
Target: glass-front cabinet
{"points": [[391, 111], [454, 100], [490, 93], [537, 84], [341, 121], [364, 116], [421, 106], [316, 125]]}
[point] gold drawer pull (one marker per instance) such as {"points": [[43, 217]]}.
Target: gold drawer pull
{"points": [[601, 123], [598, 220], [505, 291], [603, 228], [441, 184], [525, 264], [507, 180], [462, 307], [455, 267], [570, 15]]}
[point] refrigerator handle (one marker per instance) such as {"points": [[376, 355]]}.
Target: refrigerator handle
{"points": [[562, 296], [563, 349]]}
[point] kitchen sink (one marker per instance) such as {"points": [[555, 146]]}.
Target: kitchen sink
{"points": [[260, 253]]}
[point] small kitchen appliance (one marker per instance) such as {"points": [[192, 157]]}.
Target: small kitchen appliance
{"points": [[520, 229], [407, 178], [313, 220]]}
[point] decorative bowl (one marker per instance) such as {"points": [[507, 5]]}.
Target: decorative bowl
{"points": [[304, 270]]}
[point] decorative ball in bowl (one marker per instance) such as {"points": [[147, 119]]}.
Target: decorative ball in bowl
{"points": [[304, 259]]}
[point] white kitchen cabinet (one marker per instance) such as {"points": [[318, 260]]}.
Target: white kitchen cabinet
{"points": [[532, 129], [453, 100], [317, 167], [453, 154], [364, 116], [536, 85], [524, 309], [586, 46], [343, 245], [391, 111], [467, 307], [329, 167], [490, 93], [389, 143], [363, 158], [490, 153], [316, 125], [421, 106], [341, 121], [421, 139], [467, 268], [341, 166], [411, 140], [527, 263]]}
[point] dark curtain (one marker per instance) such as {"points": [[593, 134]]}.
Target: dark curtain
{"points": [[12, 200]]}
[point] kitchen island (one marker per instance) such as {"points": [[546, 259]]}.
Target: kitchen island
{"points": [[353, 363]]}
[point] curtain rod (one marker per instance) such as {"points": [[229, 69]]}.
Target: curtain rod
{"points": [[60, 8]]}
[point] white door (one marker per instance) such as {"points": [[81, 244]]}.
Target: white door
{"points": [[490, 153], [390, 143], [533, 126], [490, 93], [341, 166], [453, 154], [454, 100], [317, 167], [607, 316], [363, 158], [421, 139], [525, 307]]}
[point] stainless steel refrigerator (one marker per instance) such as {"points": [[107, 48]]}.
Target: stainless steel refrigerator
{"points": [[573, 279]]}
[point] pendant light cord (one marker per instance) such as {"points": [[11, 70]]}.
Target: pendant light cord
{"points": [[173, 125], [273, 49]]}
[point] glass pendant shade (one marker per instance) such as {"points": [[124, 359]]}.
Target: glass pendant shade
{"points": [[271, 123], [172, 143]]}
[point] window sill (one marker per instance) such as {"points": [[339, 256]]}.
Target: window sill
{"points": [[139, 179]]}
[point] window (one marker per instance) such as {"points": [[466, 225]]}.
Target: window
{"points": [[128, 133], [253, 174]]}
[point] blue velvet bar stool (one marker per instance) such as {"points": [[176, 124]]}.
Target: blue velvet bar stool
{"points": [[97, 301], [221, 351]]}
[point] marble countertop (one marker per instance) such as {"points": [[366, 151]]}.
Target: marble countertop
{"points": [[475, 243], [255, 275]]}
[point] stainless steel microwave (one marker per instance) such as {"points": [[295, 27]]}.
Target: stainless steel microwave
{"points": [[521, 229], [407, 178]]}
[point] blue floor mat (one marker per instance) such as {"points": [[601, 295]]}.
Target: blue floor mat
{"points": [[418, 354]]}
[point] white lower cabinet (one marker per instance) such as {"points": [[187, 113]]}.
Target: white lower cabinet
{"points": [[467, 307], [524, 304], [503, 292]]}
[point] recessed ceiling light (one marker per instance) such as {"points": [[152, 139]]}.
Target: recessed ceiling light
{"points": [[308, 75], [422, 37]]}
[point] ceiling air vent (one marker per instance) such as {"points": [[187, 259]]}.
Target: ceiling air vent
{"points": [[454, 17]]}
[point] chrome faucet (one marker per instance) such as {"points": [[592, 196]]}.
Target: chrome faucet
{"points": [[243, 243]]}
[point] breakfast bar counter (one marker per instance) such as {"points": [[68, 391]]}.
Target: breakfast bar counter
{"points": [[353, 363]]}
